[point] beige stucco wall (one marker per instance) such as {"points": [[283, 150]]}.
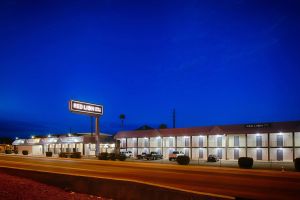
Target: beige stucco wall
{"points": [[252, 153], [212, 140], [242, 140], [287, 139], [195, 141], [287, 154], [230, 153], [251, 139], [195, 153]]}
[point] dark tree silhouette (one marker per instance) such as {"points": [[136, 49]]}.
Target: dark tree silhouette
{"points": [[162, 126], [122, 118]]}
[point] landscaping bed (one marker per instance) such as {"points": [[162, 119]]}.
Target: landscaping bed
{"points": [[13, 187]]}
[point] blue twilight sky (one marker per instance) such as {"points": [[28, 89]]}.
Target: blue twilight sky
{"points": [[216, 62]]}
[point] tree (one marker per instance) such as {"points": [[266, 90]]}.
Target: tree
{"points": [[162, 126], [122, 118]]}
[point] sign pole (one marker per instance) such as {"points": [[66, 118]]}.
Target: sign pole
{"points": [[97, 135]]}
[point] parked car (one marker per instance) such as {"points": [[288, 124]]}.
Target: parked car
{"points": [[153, 156], [212, 158], [128, 154], [141, 156], [175, 154]]}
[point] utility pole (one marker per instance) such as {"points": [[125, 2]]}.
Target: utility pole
{"points": [[174, 118]]}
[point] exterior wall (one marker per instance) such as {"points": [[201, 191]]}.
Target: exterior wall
{"points": [[297, 152], [195, 153], [143, 142], [287, 139], [131, 142], [251, 139], [169, 142], [297, 139], [214, 151], [21, 148], [167, 151], [242, 140], [156, 142], [195, 141], [143, 150], [252, 152], [190, 145], [287, 154], [230, 153], [212, 140], [33, 150], [183, 141]]}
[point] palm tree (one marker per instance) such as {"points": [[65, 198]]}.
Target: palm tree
{"points": [[162, 126], [122, 117]]}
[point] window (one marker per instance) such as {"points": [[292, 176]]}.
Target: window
{"points": [[146, 142], [200, 153], [279, 140], [186, 141], [159, 142], [200, 141], [259, 154], [258, 140], [236, 141], [236, 154], [279, 154], [219, 141], [171, 142], [219, 153]]}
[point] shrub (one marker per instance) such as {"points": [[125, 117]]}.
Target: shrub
{"points": [[25, 152], [49, 154], [183, 160], [122, 157], [103, 156], [297, 164], [112, 156], [62, 155], [245, 162], [8, 151], [76, 155], [16, 151]]}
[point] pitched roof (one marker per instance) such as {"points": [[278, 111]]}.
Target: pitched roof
{"points": [[275, 127]]}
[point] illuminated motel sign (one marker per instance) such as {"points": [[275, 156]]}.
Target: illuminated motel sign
{"points": [[90, 109], [85, 108]]}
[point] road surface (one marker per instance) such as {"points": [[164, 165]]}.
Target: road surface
{"points": [[231, 182]]}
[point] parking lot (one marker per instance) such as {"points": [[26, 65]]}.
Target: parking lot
{"points": [[272, 165]]}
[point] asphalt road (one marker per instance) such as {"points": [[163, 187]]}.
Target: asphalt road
{"points": [[232, 182]]}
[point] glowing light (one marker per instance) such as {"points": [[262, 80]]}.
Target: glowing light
{"points": [[49, 135], [32, 137], [257, 134], [17, 138], [158, 137], [145, 138], [69, 134], [280, 133]]}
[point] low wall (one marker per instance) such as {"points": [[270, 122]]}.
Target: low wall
{"points": [[109, 188]]}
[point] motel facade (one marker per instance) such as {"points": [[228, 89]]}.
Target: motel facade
{"points": [[279, 141], [75, 142]]}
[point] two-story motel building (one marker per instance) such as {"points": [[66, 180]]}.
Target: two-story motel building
{"points": [[278, 141]]}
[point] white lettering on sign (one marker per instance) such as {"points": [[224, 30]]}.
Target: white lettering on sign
{"points": [[77, 106]]}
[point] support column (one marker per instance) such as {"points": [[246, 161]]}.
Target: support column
{"points": [[97, 135], [191, 147], [207, 146], [246, 145], [126, 143], [175, 143], [293, 146], [226, 146], [268, 146]]}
